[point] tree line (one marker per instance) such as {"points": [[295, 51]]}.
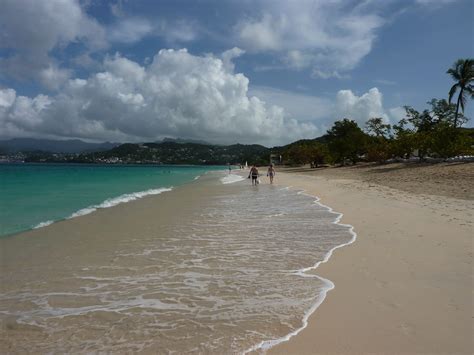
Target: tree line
{"points": [[435, 132]]}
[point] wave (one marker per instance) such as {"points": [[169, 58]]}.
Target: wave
{"points": [[111, 202], [328, 284], [43, 224], [231, 178]]}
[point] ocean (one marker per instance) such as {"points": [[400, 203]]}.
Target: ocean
{"points": [[36, 195], [214, 266]]}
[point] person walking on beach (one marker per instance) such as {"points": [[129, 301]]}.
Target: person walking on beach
{"points": [[271, 173], [254, 175]]}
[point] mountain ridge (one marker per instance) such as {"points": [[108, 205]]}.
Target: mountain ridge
{"points": [[15, 145]]}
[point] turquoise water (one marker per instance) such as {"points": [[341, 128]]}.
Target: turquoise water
{"points": [[33, 194]]}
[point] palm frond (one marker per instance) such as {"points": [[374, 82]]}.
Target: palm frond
{"points": [[452, 92], [468, 69], [470, 90], [454, 74]]}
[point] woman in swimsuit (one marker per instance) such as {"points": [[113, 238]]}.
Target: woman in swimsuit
{"points": [[271, 173]]}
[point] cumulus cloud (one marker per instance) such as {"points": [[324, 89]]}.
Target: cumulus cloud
{"points": [[360, 108], [53, 77], [322, 111], [31, 29], [328, 36], [178, 94], [229, 55], [366, 106], [301, 106], [396, 114]]}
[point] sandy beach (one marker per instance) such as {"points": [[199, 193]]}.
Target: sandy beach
{"points": [[405, 286], [138, 276], [190, 270]]}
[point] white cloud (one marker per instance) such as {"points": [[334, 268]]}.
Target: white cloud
{"points": [[303, 107], [434, 3], [182, 95], [261, 34], [134, 29], [177, 94], [297, 59], [322, 112], [33, 28], [316, 73], [178, 31], [85, 60], [360, 108], [7, 98], [229, 55], [396, 114], [129, 30], [385, 82], [53, 77], [327, 36]]}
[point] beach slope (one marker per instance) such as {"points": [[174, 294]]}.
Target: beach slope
{"points": [[405, 285]]}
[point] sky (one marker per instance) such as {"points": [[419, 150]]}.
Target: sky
{"points": [[266, 72]]}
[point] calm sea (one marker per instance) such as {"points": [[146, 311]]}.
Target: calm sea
{"points": [[35, 195]]}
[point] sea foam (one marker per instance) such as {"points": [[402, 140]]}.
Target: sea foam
{"points": [[230, 277], [111, 202], [231, 178], [43, 224], [304, 272]]}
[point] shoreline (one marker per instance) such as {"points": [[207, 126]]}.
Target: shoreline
{"points": [[66, 247], [341, 272], [120, 195], [309, 271], [380, 302]]}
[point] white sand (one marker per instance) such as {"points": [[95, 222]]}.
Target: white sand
{"points": [[405, 285]]}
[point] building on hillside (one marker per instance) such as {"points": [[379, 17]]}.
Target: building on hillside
{"points": [[276, 159]]}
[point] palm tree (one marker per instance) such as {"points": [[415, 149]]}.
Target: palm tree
{"points": [[463, 73]]}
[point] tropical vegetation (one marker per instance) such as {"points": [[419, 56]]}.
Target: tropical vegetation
{"points": [[435, 132], [463, 73]]}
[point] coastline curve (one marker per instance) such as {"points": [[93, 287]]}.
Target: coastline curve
{"points": [[329, 285]]}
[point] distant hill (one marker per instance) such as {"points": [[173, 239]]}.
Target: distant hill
{"points": [[181, 153], [181, 140], [52, 146], [280, 149], [168, 151]]}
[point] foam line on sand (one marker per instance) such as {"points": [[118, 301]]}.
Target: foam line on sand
{"points": [[328, 284]]}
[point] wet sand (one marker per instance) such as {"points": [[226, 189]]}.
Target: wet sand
{"points": [[406, 285], [49, 259], [206, 268]]}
